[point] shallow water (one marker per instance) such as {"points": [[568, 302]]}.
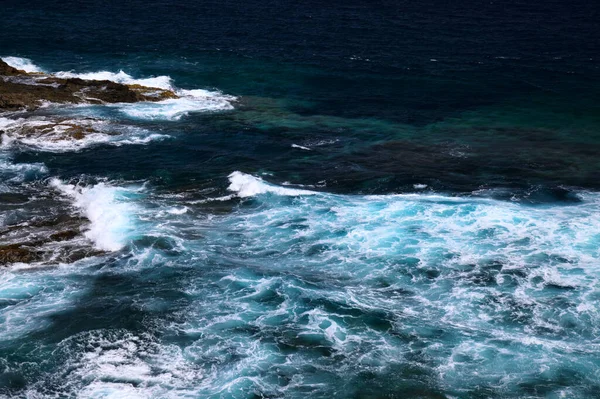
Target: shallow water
{"points": [[348, 200]]}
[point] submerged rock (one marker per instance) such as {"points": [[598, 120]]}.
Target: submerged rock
{"points": [[21, 90], [50, 132], [56, 129]]}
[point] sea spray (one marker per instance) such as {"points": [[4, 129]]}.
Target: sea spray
{"points": [[108, 209]]}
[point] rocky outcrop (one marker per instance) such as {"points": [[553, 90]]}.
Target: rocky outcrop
{"points": [[20, 90], [53, 129], [7, 70], [17, 253], [46, 241]]}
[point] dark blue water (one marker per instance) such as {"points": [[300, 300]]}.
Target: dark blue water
{"points": [[354, 200]]}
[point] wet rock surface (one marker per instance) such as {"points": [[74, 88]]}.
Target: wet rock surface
{"points": [[52, 129], [17, 253], [44, 239]]}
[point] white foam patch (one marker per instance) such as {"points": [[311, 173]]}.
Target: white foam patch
{"points": [[173, 109], [246, 185], [112, 390], [118, 364], [159, 82], [108, 210], [24, 64]]}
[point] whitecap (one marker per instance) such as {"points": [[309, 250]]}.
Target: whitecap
{"points": [[108, 209], [175, 108], [24, 64], [159, 82], [246, 185], [300, 147]]}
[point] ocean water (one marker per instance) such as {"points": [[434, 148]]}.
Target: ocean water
{"points": [[349, 199]]}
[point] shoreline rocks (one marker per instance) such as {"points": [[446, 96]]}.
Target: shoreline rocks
{"points": [[46, 239], [20, 90]]}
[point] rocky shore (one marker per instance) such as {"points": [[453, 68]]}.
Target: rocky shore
{"points": [[20, 90], [53, 238]]}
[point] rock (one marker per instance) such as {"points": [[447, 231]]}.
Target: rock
{"points": [[151, 92], [54, 130], [14, 253], [7, 70], [64, 235], [21, 90], [71, 255]]}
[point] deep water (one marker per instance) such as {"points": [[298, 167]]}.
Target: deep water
{"points": [[385, 199]]}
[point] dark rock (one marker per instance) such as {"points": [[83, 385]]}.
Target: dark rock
{"points": [[14, 253], [64, 235], [7, 70]]}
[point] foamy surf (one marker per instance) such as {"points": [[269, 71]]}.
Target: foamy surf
{"points": [[159, 82], [19, 171], [246, 185], [107, 207], [50, 135], [24, 64], [195, 100], [173, 109]]}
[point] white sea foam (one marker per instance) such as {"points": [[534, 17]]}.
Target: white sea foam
{"points": [[197, 100], [159, 82], [118, 364], [23, 64], [246, 185], [301, 147], [220, 199], [108, 210], [174, 109], [48, 135]]}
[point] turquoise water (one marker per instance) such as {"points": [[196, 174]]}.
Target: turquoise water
{"points": [[351, 200]]}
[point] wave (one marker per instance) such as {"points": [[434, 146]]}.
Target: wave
{"points": [[159, 82], [467, 227], [511, 283], [24, 64], [173, 109], [31, 297], [464, 291], [18, 172], [246, 185], [108, 208]]}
